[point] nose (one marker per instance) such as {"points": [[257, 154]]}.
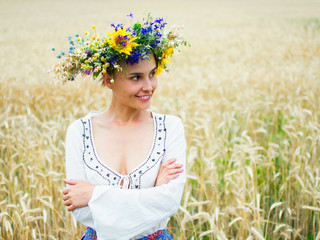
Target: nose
{"points": [[147, 85]]}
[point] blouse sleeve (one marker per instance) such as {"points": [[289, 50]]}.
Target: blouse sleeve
{"points": [[75, 168], [124, 213]]}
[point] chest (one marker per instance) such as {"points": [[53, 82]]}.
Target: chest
{"points": [[135, 158], [123, 148]]}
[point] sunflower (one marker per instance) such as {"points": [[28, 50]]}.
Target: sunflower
{"points": [[121, 41], [164, 60]]}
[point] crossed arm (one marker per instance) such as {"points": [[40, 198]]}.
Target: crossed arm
{"points": [[80, 192]]}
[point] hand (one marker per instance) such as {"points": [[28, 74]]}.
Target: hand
{"points": [[168, 171], [78, 195]]}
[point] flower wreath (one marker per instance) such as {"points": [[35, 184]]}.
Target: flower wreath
{"points": [[91, 54]]}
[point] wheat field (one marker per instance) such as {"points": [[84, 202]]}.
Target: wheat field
{"points": [[248, 91]]}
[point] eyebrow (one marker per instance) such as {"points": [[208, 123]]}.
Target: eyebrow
{"points": [[139, 73]]}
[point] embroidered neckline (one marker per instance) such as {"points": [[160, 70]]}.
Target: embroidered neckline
{"points": [[92, 161], [137, 167]]}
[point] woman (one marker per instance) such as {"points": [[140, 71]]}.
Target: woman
{"points": [[125, 166]]}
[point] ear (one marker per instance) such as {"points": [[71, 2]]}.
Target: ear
{"points": [[106, 80]]}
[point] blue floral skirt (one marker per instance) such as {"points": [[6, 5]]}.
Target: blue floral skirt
{"points": [[90, 234]]}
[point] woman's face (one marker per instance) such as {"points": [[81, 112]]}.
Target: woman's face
{"points": [[134, 86]]}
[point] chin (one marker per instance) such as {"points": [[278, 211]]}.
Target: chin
{"points": [[143, 106]]}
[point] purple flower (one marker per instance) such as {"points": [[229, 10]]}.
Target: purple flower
{"points": [[120, 25], [130, 15]]}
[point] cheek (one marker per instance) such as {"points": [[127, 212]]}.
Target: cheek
{"points": [[155, 84]]}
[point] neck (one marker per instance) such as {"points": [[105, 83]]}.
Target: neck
{"points": [[125, 115]]}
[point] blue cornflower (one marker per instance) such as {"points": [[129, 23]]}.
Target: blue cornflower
{"points": [[153, 44], [120, 25], [130, 15], [134, 57], [59, 56], [163, 25], [144, 31], [53, 49], [77, 35]]}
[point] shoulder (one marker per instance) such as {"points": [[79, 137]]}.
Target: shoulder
{"points": [[173, 124], [77, 126], [172, 119]]}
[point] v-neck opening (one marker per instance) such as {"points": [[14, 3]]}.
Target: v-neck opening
{"points": [[139, 165]]}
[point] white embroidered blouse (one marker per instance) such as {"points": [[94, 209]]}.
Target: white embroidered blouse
{"points": [[137, 208]]}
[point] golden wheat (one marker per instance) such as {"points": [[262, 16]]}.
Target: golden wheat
{"points": [[247, 91]]}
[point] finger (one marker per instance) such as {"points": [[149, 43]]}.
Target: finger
{"points": [[169, 162], [67, 203], [176, 165], [70, 208], [65, 191], [174, 176], [175, 171], [65, 197], [71, 181]]}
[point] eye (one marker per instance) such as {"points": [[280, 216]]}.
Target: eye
{"points": [[153, 73], [135, 78]]}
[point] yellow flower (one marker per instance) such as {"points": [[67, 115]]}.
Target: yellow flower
{"points": [[105, 65], [93, 27], [158, 70], [121, 41], [104, 71], [85, 33], [164, 60], [168, 52]]}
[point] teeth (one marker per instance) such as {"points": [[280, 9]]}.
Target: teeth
{"points": [[144, 97]]}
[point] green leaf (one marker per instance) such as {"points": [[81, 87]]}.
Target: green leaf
{"points": [[137, 27], [95, 74]]}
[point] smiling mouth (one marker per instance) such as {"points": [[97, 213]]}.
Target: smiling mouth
{"points": [[144, 97]]}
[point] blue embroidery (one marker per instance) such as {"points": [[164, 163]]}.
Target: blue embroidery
{"points": [[113, 178]]}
